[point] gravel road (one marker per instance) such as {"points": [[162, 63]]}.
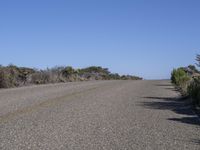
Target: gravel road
{"points": [[97, 115]]}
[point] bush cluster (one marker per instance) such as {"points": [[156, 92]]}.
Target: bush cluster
{"points": [[188, 80], [13, 76]]}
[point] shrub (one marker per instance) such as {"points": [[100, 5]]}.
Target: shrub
{"points": [[180, 78], [115, 76], [67, 71], [9, 76], [3, 79], [94, 69], [194, 90], [41, 77]]}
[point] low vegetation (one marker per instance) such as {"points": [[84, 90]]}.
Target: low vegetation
{"points": [[187, 79], [13, 76], [194, 91], [181, 79]]}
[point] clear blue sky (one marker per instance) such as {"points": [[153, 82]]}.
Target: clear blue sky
{"points": [[141, 37]]}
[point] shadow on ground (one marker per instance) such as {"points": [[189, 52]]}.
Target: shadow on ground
{"points": [[164, 85], [188, 120], [173, 89], [169, 87], [177, 105], [196, 141]]}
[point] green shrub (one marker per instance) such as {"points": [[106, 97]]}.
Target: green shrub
{"points": [[181, 79], [194, 90]]}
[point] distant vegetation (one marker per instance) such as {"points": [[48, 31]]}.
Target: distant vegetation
{"points": [[13, 76], [188, 80]]}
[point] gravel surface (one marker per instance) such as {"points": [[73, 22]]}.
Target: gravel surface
{"points": [[96, 115]]}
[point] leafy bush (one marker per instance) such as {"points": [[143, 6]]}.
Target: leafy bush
{"points": [[188, 80], [194, 90], [180, 78]]}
